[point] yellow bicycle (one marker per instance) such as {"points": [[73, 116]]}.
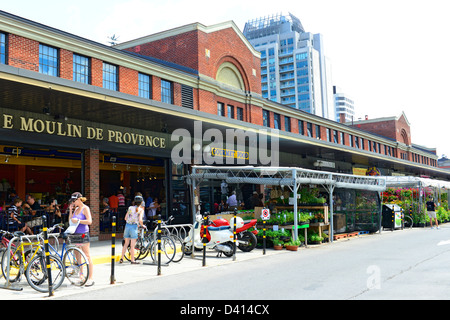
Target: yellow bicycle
{"points": [[28, 257]]}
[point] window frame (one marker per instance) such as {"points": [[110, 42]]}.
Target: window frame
{"points": [[239, 113], [221, 109], [266, 118], [166, 91], [107, 83], [4, 45], [276, 121], [145, 92], [50, 58], [89, 69]]}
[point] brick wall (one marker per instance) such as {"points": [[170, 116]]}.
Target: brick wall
{"points": [[23, 53], [92, 188]]}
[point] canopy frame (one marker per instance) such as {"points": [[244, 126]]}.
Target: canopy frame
{"points": [[291, 177]]}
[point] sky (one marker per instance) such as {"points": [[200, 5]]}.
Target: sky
{"points": [[390, 56]]}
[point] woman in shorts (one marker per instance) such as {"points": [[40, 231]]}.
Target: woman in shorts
{"points": [[79, 212], [133, 219]]}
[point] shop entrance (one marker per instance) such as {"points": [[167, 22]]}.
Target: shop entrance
{"points": [[43, 178]]}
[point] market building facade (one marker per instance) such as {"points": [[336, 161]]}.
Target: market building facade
{"points": [[77, 115]]}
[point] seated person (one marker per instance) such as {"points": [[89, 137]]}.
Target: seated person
{"points": [[15, 219]]}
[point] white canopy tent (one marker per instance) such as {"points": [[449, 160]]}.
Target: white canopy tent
{"points": [[284, 176], [417, 182], [407, 181]]}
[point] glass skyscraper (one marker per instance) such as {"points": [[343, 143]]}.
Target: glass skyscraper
{"points": [[294, 69]]}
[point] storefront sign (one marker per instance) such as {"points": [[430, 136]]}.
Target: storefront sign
{"points": [[359, 171], [80, 129], [217, 152]]}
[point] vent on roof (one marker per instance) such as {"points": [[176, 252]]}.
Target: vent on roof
{"points": [[187, 96]]}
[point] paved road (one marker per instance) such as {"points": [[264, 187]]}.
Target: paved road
{"points": [[408, 264]]}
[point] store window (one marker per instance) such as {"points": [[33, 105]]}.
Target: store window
{"points": [[48, 60], [81, 69], [145, 86], [166, 91], [2, 48], [110, 77]]}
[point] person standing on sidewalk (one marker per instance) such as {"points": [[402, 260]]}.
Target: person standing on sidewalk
{"points": [[431, 209], [81, 214], [133, 218]]}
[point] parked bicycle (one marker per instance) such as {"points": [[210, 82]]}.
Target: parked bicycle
{"points": [[146, 244], [33, 263], [6, 236], [75, 262]]}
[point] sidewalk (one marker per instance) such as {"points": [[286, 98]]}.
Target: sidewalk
{"points": [[126, 273]]}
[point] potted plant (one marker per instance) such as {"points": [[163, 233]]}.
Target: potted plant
{"points": [[292, 245], [277, 244], [314, 238]]}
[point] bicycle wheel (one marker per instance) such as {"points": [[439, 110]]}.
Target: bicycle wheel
{"points": [[167, 250], [15, 265], [37, 274], [146, 245], [2, 250], [408, 221], [77, 266], [137, 250], [179, 248]]}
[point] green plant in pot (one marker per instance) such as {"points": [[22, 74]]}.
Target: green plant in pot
{"points": [[277, 244], [292, 245]]}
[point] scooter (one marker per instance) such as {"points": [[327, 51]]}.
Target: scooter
{"points": [[219, 234]]}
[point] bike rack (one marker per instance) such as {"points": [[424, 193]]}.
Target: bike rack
{"points": [[8, 255], [173, 226]]}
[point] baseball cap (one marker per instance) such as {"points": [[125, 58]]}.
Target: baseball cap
{"points": [[75, 196]]}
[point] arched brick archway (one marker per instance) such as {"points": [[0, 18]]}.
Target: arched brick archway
{"points": [[405, 137]]}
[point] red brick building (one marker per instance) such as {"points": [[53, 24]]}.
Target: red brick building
{"points": [[397, 129], [80, 115]]}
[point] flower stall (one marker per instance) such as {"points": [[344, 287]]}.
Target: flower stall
{"points": [[411, 194]]}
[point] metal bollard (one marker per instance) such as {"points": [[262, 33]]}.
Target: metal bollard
{"points": [[159, 246], [264, 237], [234, 236], [113, 249], [205, 239], [47, 257]]}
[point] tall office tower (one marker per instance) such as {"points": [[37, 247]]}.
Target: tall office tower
{"points": [[345, 106], [294, 69]]}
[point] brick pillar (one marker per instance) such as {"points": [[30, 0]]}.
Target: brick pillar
{"points": [[92, 188]]}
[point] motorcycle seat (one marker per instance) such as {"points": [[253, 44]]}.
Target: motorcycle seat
{"points": [[210, 228]]}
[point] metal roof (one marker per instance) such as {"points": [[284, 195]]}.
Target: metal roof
{"points": [[287, 176]]}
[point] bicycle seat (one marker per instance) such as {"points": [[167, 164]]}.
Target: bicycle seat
{"points": [[18, 234]]}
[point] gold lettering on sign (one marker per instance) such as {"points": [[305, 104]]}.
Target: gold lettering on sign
{"points": [[7, 121], [79, 131]]}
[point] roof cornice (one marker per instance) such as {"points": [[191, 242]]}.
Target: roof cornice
{"points": [[188, 28]]}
